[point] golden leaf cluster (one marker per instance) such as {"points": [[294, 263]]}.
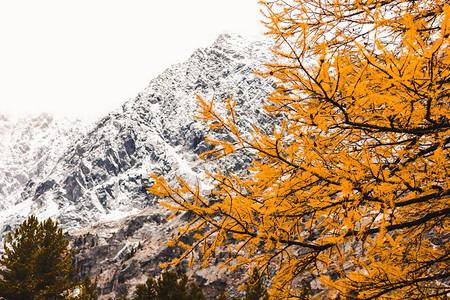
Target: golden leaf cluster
{"points": [[353, 186]]}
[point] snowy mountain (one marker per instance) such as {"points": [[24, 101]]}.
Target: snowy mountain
{"points": [[93, 182], [30, 147]]}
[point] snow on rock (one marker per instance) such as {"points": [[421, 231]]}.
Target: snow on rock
{"points": [[30, 147], [94, 181]]}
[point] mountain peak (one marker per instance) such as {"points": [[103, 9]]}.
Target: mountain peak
{"points": [[83, 176]]}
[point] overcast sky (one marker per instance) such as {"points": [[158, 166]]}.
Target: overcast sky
{"points": [[85, 58]]}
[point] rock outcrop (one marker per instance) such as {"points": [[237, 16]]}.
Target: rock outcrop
{"points": [[96, 188]]}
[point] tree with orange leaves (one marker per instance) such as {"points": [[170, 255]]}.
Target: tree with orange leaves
{"points": [[353, 187]]}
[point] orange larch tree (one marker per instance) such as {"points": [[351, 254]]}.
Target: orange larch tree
{"points": [[353, 186]]}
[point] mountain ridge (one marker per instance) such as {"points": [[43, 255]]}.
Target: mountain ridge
{"points": [[96, 189]]}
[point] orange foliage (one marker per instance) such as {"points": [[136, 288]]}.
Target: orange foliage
{"points": [[355, 182]]}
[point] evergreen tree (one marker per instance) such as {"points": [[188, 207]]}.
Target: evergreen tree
{"points": [[255, 289], [36, 263], [195, 292], [169, 286], [222, 295], [88, 290], [146, 291]]}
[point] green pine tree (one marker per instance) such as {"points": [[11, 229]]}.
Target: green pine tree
{"points": [[88, 290], [37, 262], [222, 295], [169, 286], [195, 292], [255, 289], [146, 291]]}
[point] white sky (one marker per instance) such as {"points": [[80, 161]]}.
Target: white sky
{"points": [[85, 58]]}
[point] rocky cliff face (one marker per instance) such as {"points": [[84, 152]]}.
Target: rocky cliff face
{"points": [[30, 147], [96, 188]]}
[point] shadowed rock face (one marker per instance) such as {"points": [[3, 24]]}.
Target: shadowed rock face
{"points": [[29, 149], [103, 174], [121, 254]]}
